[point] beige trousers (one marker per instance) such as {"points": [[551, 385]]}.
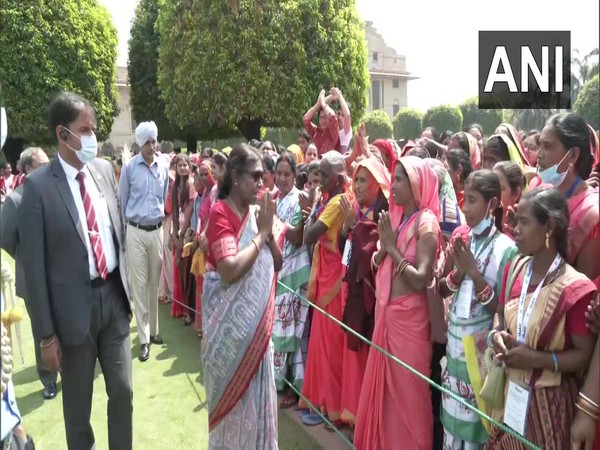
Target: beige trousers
{"points": [[165, 288], [144, 258]]}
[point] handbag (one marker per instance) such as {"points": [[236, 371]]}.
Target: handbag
{"points": [[493, 387]]}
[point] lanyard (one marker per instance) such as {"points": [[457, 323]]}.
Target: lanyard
{"points": [[361, 217], [485, 244], [522, 314], [405, 221], [569, 193], [321, 208]]}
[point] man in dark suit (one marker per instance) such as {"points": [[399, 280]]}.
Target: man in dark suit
{"points": [[31, 159], [72, 253]]}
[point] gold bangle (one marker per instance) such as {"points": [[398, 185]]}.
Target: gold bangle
{"points": [[256, 244], [584, 410], [589, 400]]}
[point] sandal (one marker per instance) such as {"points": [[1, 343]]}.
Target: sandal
{"points": [[163, 300], [200, 334], [187, 321]]}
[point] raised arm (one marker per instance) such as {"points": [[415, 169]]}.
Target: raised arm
{"points": [[308, 117], [344, 109]]}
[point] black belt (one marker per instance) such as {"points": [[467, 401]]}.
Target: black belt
{"points": [[98, 281], [145, 227]]}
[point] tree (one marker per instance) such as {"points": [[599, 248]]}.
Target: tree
{"points": [[588, 102], [378, 125], [444, 117], [249, 64], [584, 69], [146, 102], [408, 124], [489, 119], [55, 45], [529, 119]]}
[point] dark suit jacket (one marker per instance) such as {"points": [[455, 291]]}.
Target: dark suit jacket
{"points": [[54, 254], [9, 236]]}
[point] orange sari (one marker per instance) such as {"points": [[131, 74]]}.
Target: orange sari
{"points": [[394, 411], [323, 377]]}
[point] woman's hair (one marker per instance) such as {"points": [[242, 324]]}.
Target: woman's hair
{"points": [[268, 163], [419, 152], [431, 148], [301, 175], [456, 157], [313, 166], [513, 174], [240, 158], [269, 145], [181, 183], [549, 204], [463, 141], [473, 125], [220, 159], [254, 143], [306, 135], [209, 151], [498, 147], [289, 158], [434, 133], [487, 183], [446, 135], [535, 134], [573, 131], [280, 149]]}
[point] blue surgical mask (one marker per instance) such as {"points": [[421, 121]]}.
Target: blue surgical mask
{"points": [[485, 223], [551, 175], [89, 147]]}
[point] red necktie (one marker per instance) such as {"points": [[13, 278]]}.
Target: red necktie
{"points": [[93, 228]]}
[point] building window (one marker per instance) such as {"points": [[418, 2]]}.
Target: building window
{"points": [[395, 108], [375, 94], [395, 84], [375, 57]]}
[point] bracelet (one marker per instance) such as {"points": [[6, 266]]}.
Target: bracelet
{"points": [[374, 264], [452, 286], [585, 410], [489, 338], [401, 266], [588, 400], [49, 343], [555, 359], [256, 244], [485, 296]]}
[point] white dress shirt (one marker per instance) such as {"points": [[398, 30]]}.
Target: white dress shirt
{"points": [[102, 217]]}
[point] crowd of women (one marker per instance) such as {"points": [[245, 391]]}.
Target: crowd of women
{"points": [[471, 258]]}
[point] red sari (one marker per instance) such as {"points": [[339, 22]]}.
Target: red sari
{"points": [[323, 376]]}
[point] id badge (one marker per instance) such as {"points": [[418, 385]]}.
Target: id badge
{"points": [[346, 255], [465, 296], [517, 406]]}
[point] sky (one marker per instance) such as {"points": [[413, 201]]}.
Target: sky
{"points": [[440, 38]]}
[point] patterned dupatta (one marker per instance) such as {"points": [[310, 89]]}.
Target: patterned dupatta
{"points": [[546, 329], [238, 320]]}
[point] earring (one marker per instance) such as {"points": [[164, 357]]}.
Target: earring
{"points": [[548, 240]]}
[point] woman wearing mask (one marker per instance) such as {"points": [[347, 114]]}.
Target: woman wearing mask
{"points": [[565, 159], [323, 377], [183, 198], [290, 310], [357, 243], [410, 239], [242, 260], [540, 334], [479, 252]]}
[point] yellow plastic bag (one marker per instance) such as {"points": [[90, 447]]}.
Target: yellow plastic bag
{"points": [[198, 263]]}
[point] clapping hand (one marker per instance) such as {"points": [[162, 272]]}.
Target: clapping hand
{"points": [[463, 257], [347, 212], [266, 213], [592, 316], [387, 236], [511, 220]]}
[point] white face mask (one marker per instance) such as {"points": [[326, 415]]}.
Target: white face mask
{"points": [[89, 147], [485, 223], [551, 175]]}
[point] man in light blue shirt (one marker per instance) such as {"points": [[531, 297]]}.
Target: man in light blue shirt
{"points": [[144, 186]]}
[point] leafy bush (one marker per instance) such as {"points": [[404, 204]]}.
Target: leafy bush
{"points": [[489, 119], [588, 102], [443, 117], [378, 125], [408, 124]]}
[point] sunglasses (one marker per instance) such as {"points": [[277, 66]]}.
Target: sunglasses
{"points": [[256, 175]]}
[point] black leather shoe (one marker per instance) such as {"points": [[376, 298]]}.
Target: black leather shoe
{"points": [[156, 339], [50, 391], [144, 352]]}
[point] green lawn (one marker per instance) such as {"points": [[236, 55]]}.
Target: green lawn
{"points": [[169, 400]]}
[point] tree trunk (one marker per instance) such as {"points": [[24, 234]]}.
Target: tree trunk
{"points": [[250, 128], [192, 143]]}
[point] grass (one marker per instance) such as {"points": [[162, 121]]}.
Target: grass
{"points": [[169, 401]]}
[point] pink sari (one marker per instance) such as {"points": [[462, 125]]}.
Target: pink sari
{"points": [[394, 411]]}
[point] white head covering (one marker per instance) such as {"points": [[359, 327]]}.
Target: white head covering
{"points": [[145, 131]]}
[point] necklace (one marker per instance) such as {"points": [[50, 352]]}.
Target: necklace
{"points": [[235, 209]]}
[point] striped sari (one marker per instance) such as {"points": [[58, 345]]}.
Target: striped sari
{"points": [[237, 353], [290, 310]]}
